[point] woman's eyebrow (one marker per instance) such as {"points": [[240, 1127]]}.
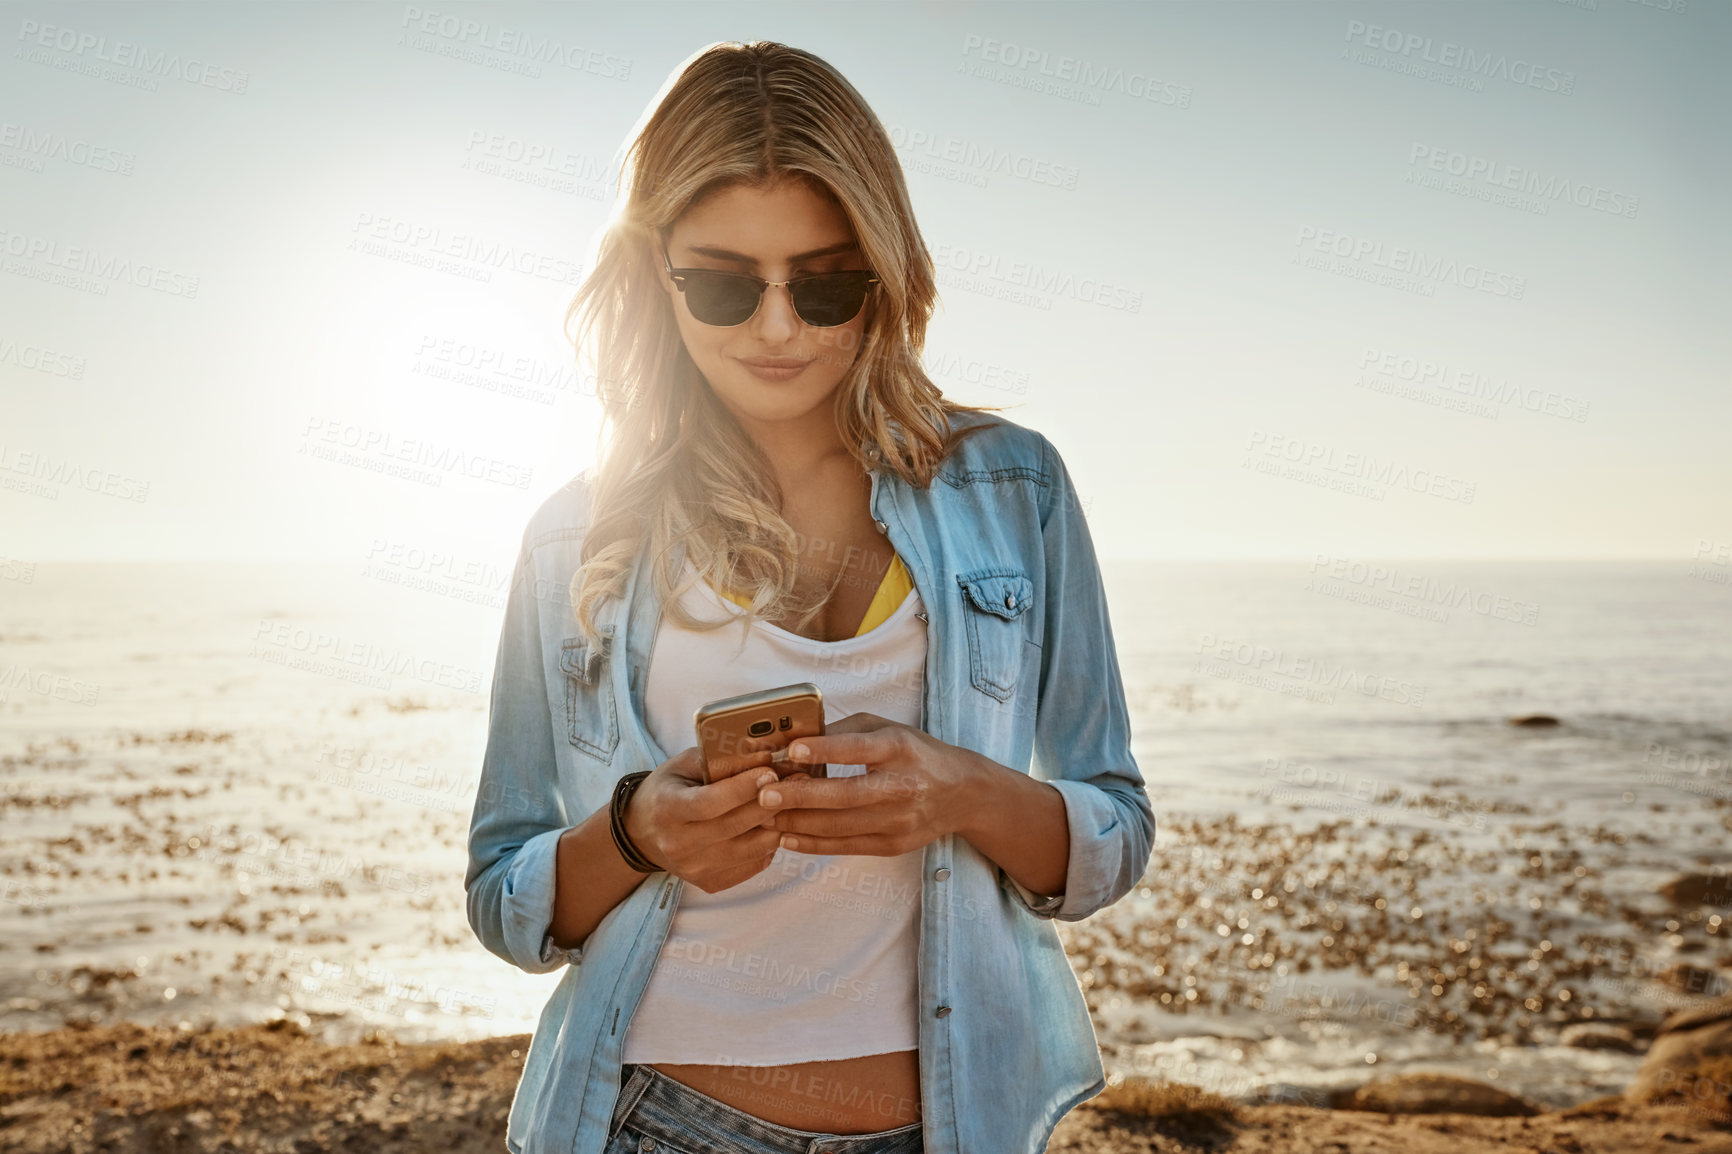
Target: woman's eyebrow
{"points": [[716, 253]]}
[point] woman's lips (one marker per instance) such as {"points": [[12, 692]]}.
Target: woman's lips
{"points": [[774, 368]]}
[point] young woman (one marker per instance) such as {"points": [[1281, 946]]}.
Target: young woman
{"points": [[775, 962]]}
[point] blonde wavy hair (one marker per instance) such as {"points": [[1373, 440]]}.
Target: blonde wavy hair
{"points": [[675, 470]]}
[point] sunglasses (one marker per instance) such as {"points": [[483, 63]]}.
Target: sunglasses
{"points": [[726, 299]]}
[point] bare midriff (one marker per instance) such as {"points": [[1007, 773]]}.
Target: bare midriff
{"points": [[844, 1096]]}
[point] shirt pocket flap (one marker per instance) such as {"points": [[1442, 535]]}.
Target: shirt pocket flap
{"points": [[580, 660], [1002, 592]]}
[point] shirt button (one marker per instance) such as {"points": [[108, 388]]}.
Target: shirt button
{"points": [[882, 527], [646, 1143], [941, 873], [1010, 601], [944, 1011]]}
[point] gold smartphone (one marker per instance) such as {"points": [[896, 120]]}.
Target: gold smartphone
{"points": [[731, 730]]}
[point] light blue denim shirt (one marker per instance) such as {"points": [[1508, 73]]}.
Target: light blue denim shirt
{"points": [[1021, 667]]}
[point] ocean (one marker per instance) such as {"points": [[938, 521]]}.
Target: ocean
{"points": [[239, 792]]}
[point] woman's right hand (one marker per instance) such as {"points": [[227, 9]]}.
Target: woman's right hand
{"points": [[713, 835]]}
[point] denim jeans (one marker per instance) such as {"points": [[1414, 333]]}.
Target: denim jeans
{"points": [[654, 1113]]}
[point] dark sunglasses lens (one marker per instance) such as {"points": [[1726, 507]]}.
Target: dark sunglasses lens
{"points": [[721, 298], [827, 301]]}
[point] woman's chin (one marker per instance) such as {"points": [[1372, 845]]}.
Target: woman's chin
{"points": [[766, 402]]}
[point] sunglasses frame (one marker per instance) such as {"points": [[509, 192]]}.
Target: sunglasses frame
{"points": [[678, 275]]}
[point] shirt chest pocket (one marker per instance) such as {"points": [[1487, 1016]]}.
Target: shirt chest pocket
{"points": [[993, 603], [592, 723]]}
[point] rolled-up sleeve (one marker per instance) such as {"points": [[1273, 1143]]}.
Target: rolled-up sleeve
{"points": [[1082, 733], [519, 813]]}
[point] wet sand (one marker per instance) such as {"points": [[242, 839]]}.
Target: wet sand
{"points": [[130, 1088]]}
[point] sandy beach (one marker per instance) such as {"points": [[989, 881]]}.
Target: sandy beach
{"points": [[129, 1088]]}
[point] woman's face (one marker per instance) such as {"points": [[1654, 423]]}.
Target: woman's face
{"points": [[775, 233]]}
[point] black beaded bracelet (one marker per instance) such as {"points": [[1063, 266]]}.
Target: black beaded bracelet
{"points": [[622, 791]]}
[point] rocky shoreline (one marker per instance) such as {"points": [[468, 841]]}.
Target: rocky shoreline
{"points": [[128, 1088]]}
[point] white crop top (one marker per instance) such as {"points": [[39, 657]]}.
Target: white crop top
{"points": [[815, 957]]}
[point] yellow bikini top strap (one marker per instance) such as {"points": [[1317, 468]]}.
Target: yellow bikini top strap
{"points": [[892, 591]]}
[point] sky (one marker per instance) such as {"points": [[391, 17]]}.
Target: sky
{"points": [[1278, 280]]}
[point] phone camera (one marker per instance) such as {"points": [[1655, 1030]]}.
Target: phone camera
{"points": [[785, 724], [760, 728]]}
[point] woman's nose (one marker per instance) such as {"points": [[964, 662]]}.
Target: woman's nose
{"points": [[776, 318]]}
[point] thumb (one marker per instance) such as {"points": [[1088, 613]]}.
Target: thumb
{"points": [[687, 764], [857, 723], [744, 785]]}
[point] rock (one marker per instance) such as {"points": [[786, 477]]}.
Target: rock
{"points": [[1695, 1017], [1534, 720], [1593, 1036], [1201, 1117], [1691, 1045], [1698, 890], [1612, 1106], [1433, 1094]]}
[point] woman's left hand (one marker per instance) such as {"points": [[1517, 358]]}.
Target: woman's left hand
{"points": [[910, 794]]}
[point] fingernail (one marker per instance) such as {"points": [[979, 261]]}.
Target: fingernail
{"points": [[790, 842], [766, 779], [771, 797], [800, 751]]}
